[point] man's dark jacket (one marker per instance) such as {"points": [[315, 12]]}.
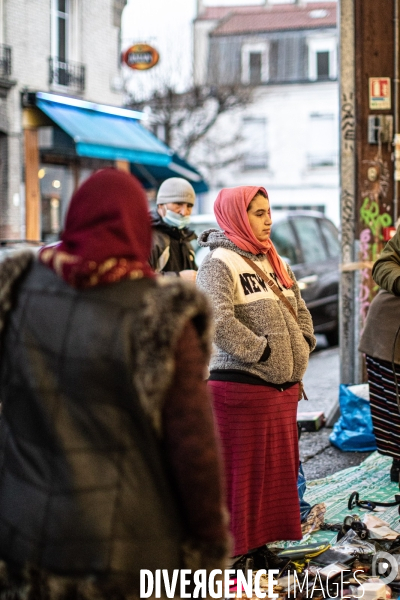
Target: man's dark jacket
{"points": [[172, 250]]}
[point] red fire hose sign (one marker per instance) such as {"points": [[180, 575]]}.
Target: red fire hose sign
{"points": [[379, 93]]}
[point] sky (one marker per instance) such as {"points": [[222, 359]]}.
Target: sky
{"points": [[166, 25], [154, 18]]}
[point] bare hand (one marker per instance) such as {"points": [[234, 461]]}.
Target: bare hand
{"points": [[188, 275]]}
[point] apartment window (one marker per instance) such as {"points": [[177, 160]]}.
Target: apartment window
{"points": [[322, 58], [64, 70], [255, 68], [323, 65], [287, 58], [254, 63], [322, 141], [60, 29], [255, 155]]}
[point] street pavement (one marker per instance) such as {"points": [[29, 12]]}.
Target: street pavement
{"points": [[321, 383]]}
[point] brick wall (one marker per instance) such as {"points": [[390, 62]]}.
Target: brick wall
{"points": [[3, 183], [100, 50], [27, 30]]}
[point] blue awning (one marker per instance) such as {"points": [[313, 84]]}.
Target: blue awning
{"points": [[109, 133], [152, 176]]}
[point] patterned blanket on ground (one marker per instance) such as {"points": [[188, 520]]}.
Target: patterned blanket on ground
{"points": [[370, 479]]}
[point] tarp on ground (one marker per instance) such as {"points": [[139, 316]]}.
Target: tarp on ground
{"points": [[370, 479]]}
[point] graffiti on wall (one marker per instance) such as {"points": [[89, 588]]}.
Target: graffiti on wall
{"points": [[348, 122], [347, 209], [374, 216], [347, 204]]}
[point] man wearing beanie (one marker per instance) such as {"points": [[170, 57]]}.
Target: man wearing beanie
{"points": [[172, 253]]}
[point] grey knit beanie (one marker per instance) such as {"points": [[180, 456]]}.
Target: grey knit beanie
{"points": [[176, 189]]}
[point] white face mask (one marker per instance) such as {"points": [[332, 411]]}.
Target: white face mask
{"points": [[175, 219]]}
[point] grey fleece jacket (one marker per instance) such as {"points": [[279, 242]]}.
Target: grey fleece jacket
{"points": [[247, 313]]}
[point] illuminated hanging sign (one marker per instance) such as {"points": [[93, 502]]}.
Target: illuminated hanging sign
{"points": [[140, 57]]}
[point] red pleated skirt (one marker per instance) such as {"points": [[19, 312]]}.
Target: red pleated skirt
{"points": [[258, 430]]}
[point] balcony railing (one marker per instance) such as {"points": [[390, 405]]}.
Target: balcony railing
{"points": [[316, 161], [67, 74], [5, 61]]}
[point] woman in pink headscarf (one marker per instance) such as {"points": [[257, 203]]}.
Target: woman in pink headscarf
{"points": [[263, 338]]}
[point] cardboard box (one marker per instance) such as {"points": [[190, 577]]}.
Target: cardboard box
{"points": [[372, 591], [311, 421]]}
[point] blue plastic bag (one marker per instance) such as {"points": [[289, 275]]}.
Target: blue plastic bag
{"points": [[353, 431]]}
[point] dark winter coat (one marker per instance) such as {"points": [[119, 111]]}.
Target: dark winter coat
{"points": [[386, 270], [99, 499], [379, 336], [172, 251]]}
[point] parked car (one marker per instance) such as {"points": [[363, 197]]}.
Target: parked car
{"points": [[309, 242]]}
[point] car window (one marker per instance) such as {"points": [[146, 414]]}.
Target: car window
{"points": [[284, 241], [198, 226], [331, 236], [8, 248], [310, 237]]}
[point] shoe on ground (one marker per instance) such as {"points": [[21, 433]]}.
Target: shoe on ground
{"points": [[243, 563], [395, 471]]}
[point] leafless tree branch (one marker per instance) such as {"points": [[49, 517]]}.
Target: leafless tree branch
{"points": [[187, 118]]}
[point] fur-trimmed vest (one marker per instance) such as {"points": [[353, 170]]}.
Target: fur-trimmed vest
{"points": [[83, 376]]}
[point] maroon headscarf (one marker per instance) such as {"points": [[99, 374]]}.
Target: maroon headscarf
{"points": [[230, 210], [107, 235]]}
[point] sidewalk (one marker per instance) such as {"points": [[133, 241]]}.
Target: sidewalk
{"points": [[321, 383]]}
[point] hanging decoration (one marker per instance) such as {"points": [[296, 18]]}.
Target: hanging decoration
{"points": [[140, 57]]}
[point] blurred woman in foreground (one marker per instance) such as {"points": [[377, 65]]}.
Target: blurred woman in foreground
{"points": [[108, 458]]}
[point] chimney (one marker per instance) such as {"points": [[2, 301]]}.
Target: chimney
{"points": [[200, 7]]}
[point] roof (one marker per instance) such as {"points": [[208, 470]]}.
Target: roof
{"points": [[278, 17], [151, 176], [211, 13]]}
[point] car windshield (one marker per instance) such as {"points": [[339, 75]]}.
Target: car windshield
{"points": [[283, 238]]}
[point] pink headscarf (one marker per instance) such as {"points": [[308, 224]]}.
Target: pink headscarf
{"points": [[230, 210]]}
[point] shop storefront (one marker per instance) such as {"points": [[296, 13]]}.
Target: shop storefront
{"points": [[66, 139]]}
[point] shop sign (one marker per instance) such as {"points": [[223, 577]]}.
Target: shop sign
{"points": [[140, 57], [379, 93]]}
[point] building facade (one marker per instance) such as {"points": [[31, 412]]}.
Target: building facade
{"points": [[69, 48], [289, 134]]}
